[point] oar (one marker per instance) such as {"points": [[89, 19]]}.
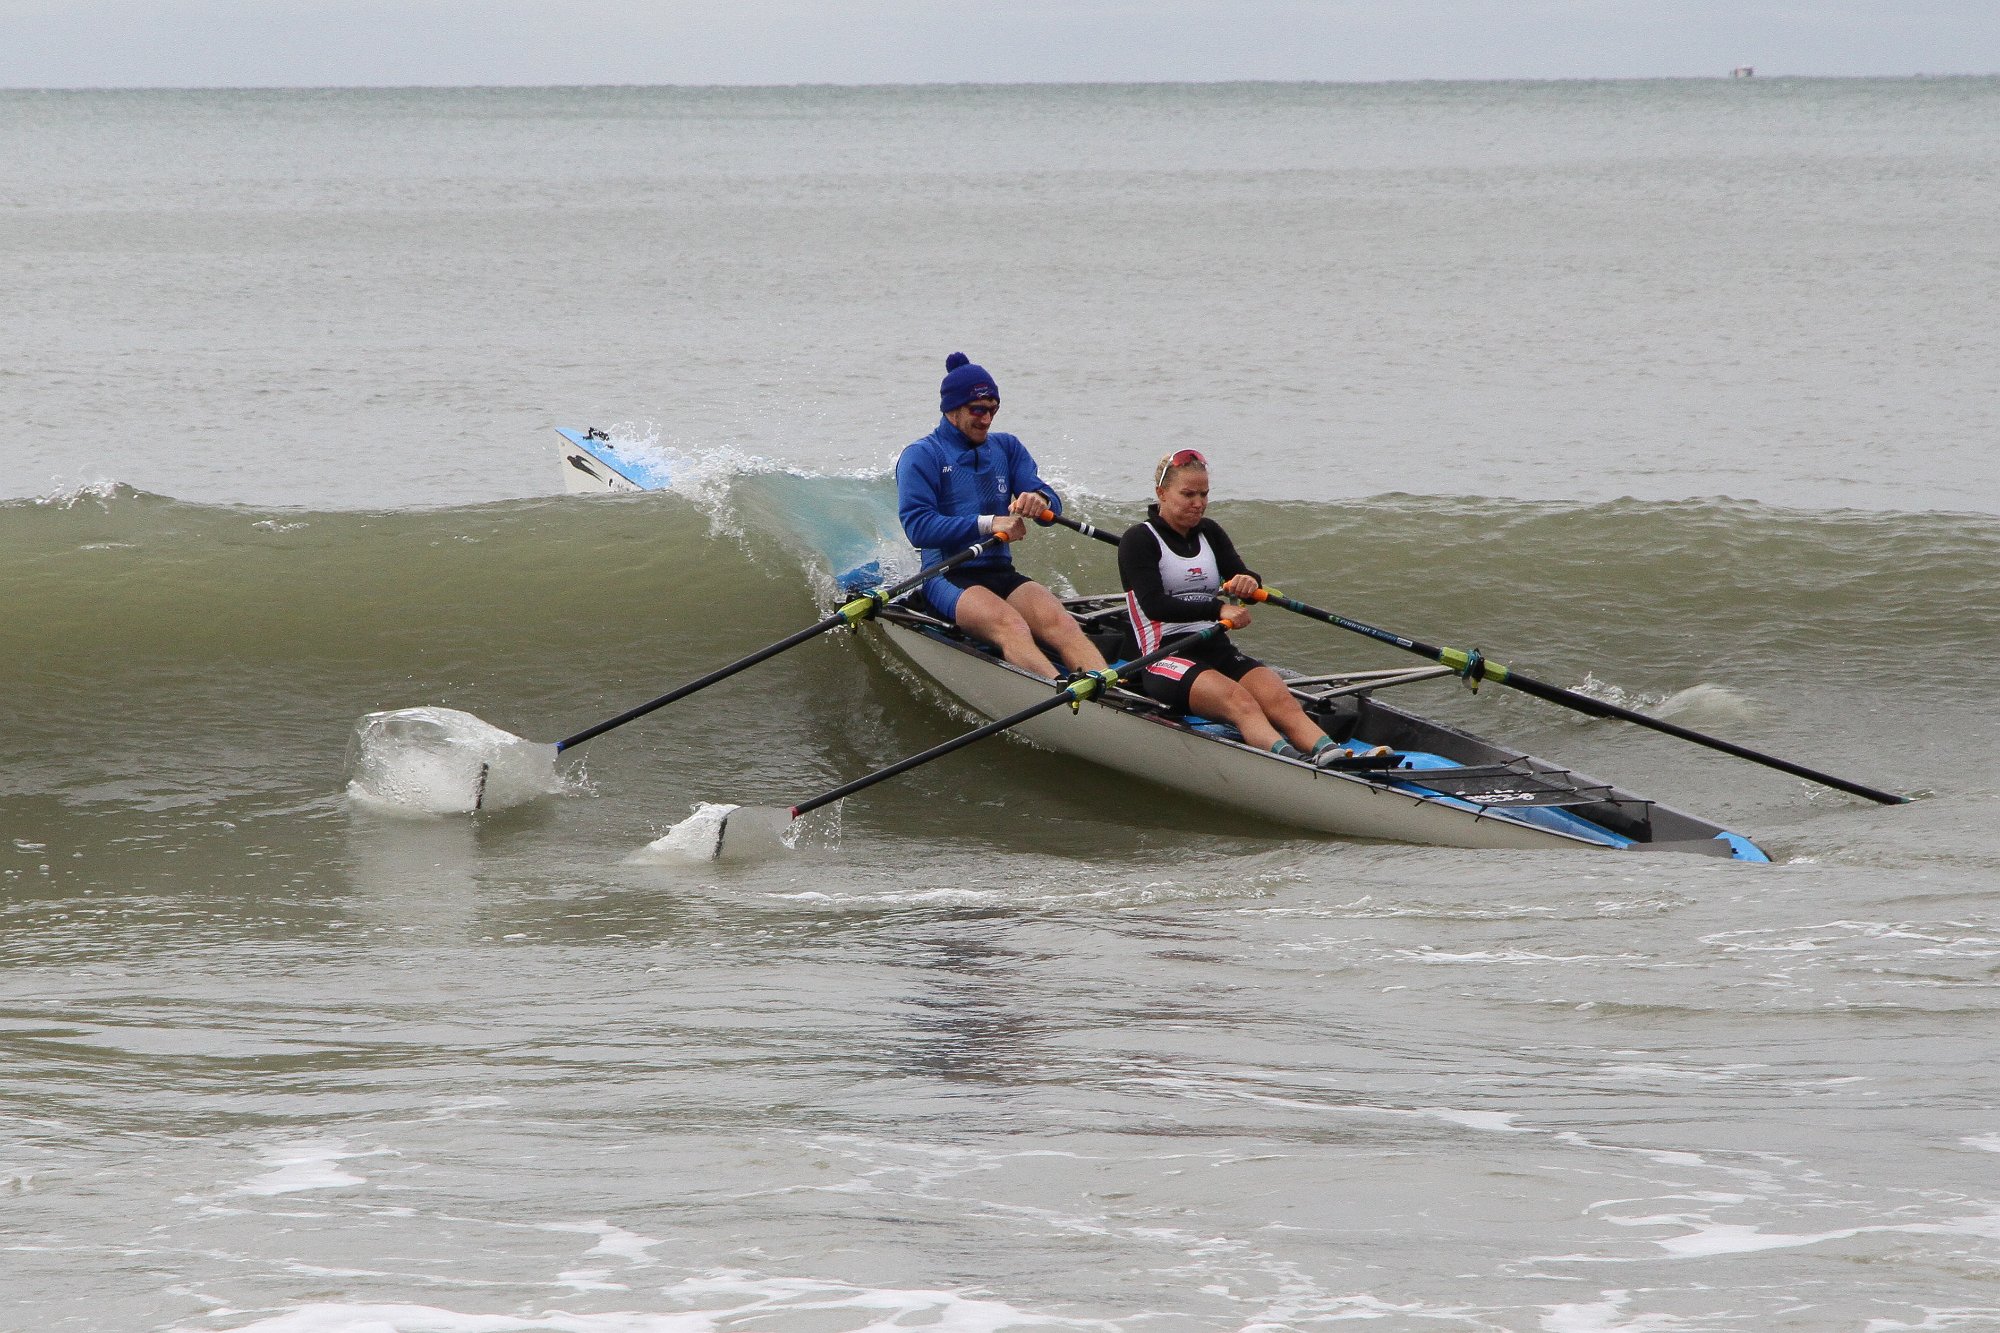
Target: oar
{"points": [[415, 756], [1474, 664], [1475, 667], [773, 819], [856, 611], [1048, 516]]}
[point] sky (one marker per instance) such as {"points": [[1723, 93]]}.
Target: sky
{"points": [[321, 43]]}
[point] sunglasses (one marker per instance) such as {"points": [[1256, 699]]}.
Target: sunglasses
{"points": [[982, 412], [1179, 458]]}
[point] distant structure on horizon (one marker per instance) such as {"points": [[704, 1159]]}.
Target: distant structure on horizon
{"points": [[1742, 72]]}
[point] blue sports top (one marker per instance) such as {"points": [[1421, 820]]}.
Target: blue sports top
{"points": [[944, 483]]}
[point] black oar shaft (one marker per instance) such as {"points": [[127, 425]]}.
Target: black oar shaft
{"points": [[1086, 687], [935, 752], [720, 673], [855, 611], [1582, 703]]}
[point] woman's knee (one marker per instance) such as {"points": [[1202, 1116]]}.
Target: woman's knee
{"points": [[1270, 692], [1216, 695]]}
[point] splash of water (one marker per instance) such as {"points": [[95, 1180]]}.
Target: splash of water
{"points": [[440, 761], [722, 833]]}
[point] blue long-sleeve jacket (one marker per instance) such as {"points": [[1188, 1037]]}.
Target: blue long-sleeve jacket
{"points": [[944, 483]]}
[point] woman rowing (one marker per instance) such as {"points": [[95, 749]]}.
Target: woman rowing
{"points": [[1176, 567]]}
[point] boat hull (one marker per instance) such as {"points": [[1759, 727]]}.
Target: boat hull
{"points": [[593, 465], [1159, 749]]}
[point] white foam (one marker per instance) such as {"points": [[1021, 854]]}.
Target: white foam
{"points": [[751, 831], [1607, 1316], [1709, 1239], [706, 1304], [1708, 703], [1605, 692], [618, 1243], [440, 761], [307, 1165], [1706, 1238], [70, 496], [1492, 1122]]}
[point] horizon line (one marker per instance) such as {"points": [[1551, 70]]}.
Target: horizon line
{"points": [[1725, 77]]}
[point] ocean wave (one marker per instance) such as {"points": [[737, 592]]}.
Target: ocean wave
{"points": [[1645, 599]]}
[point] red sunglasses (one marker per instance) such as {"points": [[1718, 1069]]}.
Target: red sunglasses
{"points": [[1179, 458]]}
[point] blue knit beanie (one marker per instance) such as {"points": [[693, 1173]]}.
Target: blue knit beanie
{"points": [[964, 382]]}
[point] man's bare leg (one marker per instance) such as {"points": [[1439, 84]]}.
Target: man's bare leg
{"points": [[982, 614], [1050, 621]]}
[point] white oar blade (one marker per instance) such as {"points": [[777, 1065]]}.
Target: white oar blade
{"points": [[722, 833], [439, 761]]}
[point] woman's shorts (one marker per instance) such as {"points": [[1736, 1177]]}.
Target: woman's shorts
{"points": [[943, 591], [1169, 679]]}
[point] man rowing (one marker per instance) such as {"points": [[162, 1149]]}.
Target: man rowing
{"points": [[964, 482]]}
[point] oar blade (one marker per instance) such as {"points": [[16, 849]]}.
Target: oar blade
{"points": [[735, 833], [440, 761]]}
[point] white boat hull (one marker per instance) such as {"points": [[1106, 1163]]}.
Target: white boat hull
{"points": [[1227, 773]]}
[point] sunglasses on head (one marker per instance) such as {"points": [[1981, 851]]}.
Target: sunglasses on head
{"points": [[1179, 458]]}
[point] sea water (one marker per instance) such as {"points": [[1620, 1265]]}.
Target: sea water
{"points": [[1679, 393]]}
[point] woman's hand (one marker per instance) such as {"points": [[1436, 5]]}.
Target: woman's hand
{"points": [[1236, 617], [1243, 585]]}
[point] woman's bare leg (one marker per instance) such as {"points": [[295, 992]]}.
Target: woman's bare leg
{"points": [[1216, 695]]}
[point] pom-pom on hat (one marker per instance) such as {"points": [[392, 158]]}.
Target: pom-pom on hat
{"points": [[964, 382]]}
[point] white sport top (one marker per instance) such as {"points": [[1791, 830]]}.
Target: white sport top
{"points": [[1192, 576]]}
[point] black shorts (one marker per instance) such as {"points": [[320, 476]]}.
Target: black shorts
{"points": [[1169, 679]]}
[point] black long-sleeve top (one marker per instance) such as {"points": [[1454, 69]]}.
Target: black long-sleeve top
{"points": [[1139, 567]]}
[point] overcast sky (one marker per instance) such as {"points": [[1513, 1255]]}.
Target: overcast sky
{"points": [[210, 43]]}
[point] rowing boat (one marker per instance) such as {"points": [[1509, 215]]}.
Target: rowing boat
{"points": [[1446, 788]]}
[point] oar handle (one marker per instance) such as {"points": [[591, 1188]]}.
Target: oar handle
{"points": [[856, 611], [1048, 516], [1086, 686], [1474, 663]]}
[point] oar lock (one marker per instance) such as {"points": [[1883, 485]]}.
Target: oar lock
{"points": [[863, 607], [1081, 685], [1470, 667], [1475, 670]]}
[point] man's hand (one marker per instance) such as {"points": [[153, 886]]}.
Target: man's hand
{"points": [[1011, 526], [1031, 503]]}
